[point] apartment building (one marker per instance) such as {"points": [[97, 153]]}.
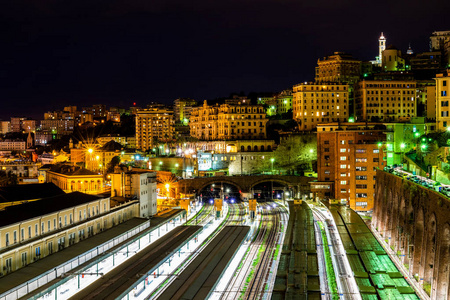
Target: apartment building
{"points": [[315, 103], [339, 67], [58, 126], [182, 109], [13, 145], [5, 127], [228, 122], [154, 125], [385, 100], [442, 101], [348, 156]]}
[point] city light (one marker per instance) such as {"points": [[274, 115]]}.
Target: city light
{"points": [[402, 145], [90, 150]]}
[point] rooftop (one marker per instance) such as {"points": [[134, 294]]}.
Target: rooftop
{"points": [[29, 210], [71, 170], [29, 192]]}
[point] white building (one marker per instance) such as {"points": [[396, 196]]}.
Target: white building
{"points": [[137, 184]]}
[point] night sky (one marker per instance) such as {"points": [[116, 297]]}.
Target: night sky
{"points": [[56, 53]]}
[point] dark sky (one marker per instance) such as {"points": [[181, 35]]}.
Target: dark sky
{"points": [[56, 53]]}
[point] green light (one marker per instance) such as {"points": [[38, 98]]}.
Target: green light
{"points": [[272, 159], [423, 147], [160, 162], [424, 139], [272, 107], [351, 120], [366, 75], [380, 144], [448, 128], [402, 145], [430, 139], [417, 134]]}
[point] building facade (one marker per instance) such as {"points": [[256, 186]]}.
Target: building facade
{"points": [[340, 67], [154, 125], [401, 137], [13, 145], [315, 103], [137, 184], [72, 178], [228, 122], [442, 101], [34, 230], [383, 100], [182, 108], [348, 156], [5, 127]]}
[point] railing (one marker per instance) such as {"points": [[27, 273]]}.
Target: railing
{"points": [[33, 284]]}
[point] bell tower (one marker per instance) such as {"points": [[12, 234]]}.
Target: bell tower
{"points": [[381, 48]]}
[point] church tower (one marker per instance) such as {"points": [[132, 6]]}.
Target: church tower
{"points": [[381, 48], [409, 51]]}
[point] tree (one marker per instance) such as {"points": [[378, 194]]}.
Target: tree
{"points": [[296, 153], [112, 164]]}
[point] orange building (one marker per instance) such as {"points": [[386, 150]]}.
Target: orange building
{"points": [[348, 155]]}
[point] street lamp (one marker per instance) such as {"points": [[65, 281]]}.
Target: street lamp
{"points": [[272, 160]]}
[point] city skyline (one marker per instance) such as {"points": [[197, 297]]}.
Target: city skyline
{"points": [[120, 53]]}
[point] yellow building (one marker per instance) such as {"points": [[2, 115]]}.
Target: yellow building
{"points": [[315, 103], [383, 100], [154, 125], [34, 230], [228, 122], [340, 67], [73, 178], [392, 60], [442, 101]]}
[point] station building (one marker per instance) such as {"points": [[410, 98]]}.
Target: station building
{"points": [[34, 230]]}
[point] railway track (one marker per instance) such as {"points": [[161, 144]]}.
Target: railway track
{"points": [[251, 276]]}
